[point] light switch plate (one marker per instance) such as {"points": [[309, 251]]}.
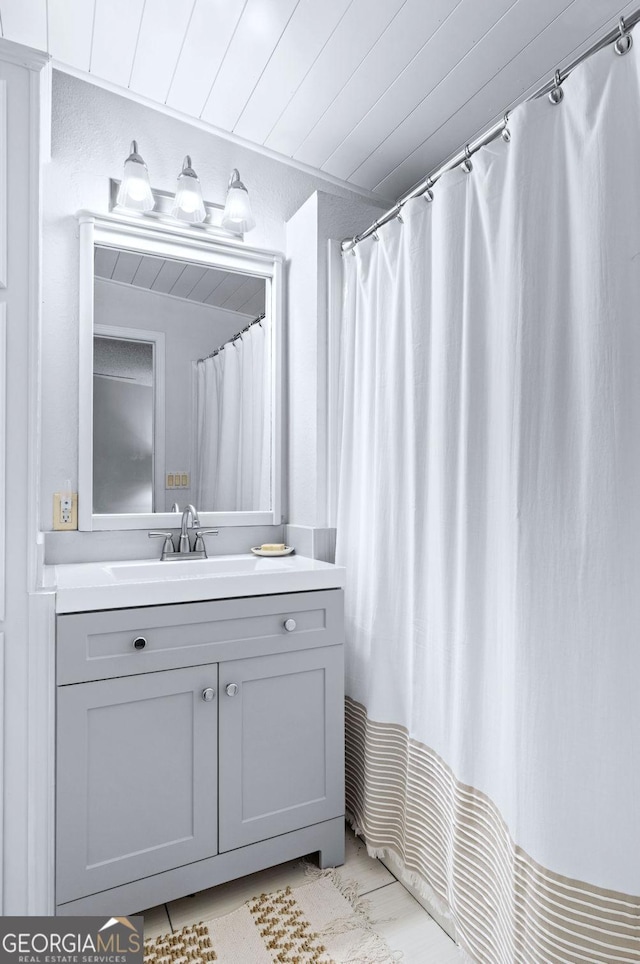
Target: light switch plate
{"points": [[65, 520]]}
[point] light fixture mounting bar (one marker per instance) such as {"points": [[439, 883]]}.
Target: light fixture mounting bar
{"points": [[162, 212]]}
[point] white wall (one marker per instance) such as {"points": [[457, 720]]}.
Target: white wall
{"points": [[302, 365], [321, 218], [191, 331], [92, 129]]}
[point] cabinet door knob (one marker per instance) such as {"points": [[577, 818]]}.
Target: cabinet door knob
{"points": [[139, 642], [232, 689], [289, 625], [208, 694]]}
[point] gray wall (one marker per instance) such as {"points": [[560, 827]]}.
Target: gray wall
{"points": [[92, 129]]}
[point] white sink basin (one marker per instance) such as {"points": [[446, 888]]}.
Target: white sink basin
{"points": [[184, 569], [83, 587]]}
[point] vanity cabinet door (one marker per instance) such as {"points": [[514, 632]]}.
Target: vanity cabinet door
{"points": [[137, 778], [281, 744]]}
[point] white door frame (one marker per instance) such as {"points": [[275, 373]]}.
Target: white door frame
{"points": [[28, 634]]}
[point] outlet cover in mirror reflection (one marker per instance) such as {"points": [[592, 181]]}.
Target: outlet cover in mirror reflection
{"points": [[178, 480]]}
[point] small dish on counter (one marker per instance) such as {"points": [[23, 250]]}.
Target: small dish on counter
{"points": [[260, 551]]}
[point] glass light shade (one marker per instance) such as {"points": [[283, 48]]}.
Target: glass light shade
{"points": [[134, 192], [238, 215], [188, 204]]}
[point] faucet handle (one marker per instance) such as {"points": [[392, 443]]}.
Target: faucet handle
{"points": [[168, 541], [199, 543]]}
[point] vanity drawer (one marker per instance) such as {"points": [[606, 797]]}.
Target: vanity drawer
{"points": [[122, 642]]}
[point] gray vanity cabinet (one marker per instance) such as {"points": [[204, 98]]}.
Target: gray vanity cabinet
{"points": [[137, 778], [280, 744], [196, 742]]}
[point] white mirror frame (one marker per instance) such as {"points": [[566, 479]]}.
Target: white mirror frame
{"points": [[172, 242]]}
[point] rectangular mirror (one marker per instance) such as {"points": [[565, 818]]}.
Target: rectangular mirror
{"points": [[181, 379]]}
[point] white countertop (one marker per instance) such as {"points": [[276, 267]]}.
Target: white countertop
{"points": [[82, 587]]}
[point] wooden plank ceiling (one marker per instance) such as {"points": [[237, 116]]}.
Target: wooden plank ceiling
{"points": [[239, 293], [373, 92]]}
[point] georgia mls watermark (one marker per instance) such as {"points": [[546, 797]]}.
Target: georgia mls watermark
{"points": [[71, 940]]}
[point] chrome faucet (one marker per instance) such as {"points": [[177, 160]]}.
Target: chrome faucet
{"points": [[184, 545], [184, 551]]}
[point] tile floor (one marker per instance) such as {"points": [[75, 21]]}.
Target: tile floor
{"points": [[406, 926]]}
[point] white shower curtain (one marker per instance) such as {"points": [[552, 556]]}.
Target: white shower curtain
{"points": [[489, 520], [233, 417]]}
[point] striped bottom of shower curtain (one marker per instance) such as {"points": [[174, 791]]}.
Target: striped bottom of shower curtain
{"points": [[454, 846]]}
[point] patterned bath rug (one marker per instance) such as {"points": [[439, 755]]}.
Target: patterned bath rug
{"points": [[320, 922]]}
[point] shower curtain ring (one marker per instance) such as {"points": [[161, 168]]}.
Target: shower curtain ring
{"points": [[375, 235], [428, 194], [556, 93], [354, 241], [399, 214], [625, 41], [466, 165], [506, 133]]}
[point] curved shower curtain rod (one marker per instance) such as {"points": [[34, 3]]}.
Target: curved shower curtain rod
{"points": [[238, 334], [619, 36]]}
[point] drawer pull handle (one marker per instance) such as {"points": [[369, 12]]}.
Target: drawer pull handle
{"points": [[232, 689], [289, 625], [208, 694], [139, 642]]}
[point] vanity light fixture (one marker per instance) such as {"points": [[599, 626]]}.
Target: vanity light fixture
{"points": [[238, 215], [134, 194], [188, 204], [135, 191]]}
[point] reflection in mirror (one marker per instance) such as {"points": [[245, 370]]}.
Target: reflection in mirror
{"points": [[122, 425], [181, 386]]}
